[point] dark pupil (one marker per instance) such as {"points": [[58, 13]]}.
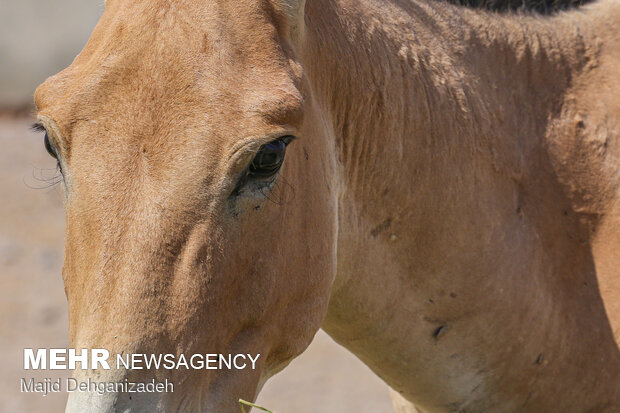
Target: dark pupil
{"points": [[268, 159], [48, 146]]}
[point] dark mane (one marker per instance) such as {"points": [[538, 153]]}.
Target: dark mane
{"points": [[539, 6]]}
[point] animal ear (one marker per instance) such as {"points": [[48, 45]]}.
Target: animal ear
{"points": [[292, 12]]}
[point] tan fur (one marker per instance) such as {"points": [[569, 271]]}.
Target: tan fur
{"points": [[449, 211]]}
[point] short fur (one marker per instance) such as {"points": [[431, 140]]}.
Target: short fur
{"points": [[450, 210]]}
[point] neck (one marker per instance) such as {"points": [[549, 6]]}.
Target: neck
{"points": [[433, 61], [438, 113]]}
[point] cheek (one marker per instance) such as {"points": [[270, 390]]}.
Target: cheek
{"points": [[290, 251], [301, 275]]}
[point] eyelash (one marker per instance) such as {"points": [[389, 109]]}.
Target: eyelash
{"points": [[37, 127]]}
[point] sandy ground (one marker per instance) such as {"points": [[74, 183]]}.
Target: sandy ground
{"points": [[33, 309]]}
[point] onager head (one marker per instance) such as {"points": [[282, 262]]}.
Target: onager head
{"points": [[192, 154]]}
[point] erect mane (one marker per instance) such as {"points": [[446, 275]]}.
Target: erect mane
{"points": [[539, 6]]}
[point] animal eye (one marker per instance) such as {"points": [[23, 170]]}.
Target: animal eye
{"points": [[49, 148], [269, 158]]}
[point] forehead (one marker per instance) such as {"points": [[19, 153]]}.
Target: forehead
{"points": [[152, 65]]}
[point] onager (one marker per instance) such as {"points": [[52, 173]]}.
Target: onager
{"points": [[435, 185]]}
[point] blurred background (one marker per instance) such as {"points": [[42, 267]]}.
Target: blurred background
{"points": [[37, 39]]}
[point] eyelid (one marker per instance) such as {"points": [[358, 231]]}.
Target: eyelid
{"points": [[38, 127], [244, 151], [52, 132], [287, 139]]}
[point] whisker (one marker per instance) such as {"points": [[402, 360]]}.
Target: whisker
{"points": [[268, 194], [39, 175], [283, 181]]}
